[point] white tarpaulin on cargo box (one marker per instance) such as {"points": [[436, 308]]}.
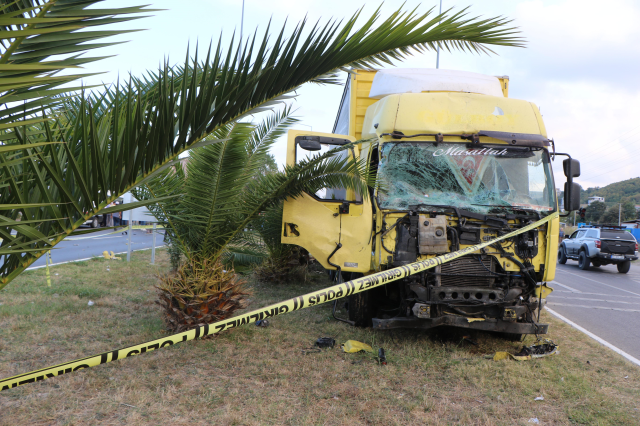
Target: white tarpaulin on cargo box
{"points": [[417, 80]]}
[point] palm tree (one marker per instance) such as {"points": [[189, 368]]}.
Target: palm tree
{"points": [[69, 160], [210, 206], [278, 261]]}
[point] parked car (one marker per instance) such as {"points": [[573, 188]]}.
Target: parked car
{"points": [[599, 245], [95, 221]]}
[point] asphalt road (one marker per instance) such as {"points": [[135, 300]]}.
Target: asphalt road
{"points": [[601, 300], [90, 245]]}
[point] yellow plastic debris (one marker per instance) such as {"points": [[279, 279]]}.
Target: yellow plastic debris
{"points": [[353, 346], [475, 319], [499, 356], [111, 256]]}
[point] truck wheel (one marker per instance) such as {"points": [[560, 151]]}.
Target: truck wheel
{"points": [[583, 261], [624, 267], [360, 309], [95, 223], [562, 256], [360, 305]]}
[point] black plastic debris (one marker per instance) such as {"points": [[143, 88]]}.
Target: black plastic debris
{"points": [[468, 339], [325, 342], [382, 357], [547, 347]]}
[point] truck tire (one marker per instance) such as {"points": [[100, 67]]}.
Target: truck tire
{"points": [[361, 307], [95, 223], [624, 267], [562, 256], [583, 261]]}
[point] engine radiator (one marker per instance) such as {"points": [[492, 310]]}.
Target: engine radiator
{"points": [[470, 270]]}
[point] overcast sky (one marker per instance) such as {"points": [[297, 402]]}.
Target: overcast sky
{"points": [[581, 65]]}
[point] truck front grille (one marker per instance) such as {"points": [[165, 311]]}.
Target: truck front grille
{"points": [[470, 270]]}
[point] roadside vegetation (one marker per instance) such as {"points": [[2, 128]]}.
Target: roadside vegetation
{"points": [[617, 192], [257, 376], [221, 210]]}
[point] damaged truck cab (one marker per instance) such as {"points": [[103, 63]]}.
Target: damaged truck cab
{"points": [[457, 163]]}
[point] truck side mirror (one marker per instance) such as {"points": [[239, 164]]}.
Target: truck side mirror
{"points": [[571, 196], [309, 143], [571, 168]]}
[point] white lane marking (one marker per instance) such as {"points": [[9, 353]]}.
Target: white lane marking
{"points": [[604, 308], [598, 282], [91, 238], [594, 337], [596, 294], [566, 286], [87, 258], [595, 300]]}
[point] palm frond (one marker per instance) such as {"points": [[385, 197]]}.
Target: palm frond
{"points": [[115, 139], [34, 31]]}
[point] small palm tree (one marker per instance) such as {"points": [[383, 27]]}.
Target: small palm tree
{"points": [[211, 206], [64, 160], [280, 261]]}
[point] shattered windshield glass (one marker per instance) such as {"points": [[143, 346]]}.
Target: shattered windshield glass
{"points": [[475, 179]]}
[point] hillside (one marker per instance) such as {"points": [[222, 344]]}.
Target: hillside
{"points": [[626, 190]]}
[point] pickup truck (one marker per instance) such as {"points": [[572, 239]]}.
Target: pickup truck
{"points": [[599, 246]]}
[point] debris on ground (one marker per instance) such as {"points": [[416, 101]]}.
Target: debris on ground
{"points": [[110, 256], [325, 342], [534, 420], [539, 398], [382, 357], [540, 349], [91, 303], [262, 323], [469, 340], [353, 346]]}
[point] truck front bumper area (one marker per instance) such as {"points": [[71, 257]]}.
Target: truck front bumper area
{"points": [[607, 257], [489, 324]]}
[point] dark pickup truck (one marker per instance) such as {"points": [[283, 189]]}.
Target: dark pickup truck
{"points": [[599, 246]]}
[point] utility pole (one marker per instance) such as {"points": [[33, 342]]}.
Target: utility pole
{"points": [[438, 54], [619, 214], [242, 20], [241, 27]]}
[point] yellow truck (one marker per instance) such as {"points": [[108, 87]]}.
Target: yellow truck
{"points": [[458, 162]]}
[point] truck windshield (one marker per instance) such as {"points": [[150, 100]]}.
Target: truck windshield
{"points": [[476, 179]]}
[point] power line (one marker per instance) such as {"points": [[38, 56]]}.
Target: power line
{"points": [[621, 137], [596, 159]]}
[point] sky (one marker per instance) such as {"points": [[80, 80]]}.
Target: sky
{"points": [[580, 65]]}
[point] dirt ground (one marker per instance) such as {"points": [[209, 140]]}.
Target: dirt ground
{"points": [[257, 376]]}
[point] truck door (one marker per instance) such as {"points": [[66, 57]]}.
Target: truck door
{"points": [[334, 224]]}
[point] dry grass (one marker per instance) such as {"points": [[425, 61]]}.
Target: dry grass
{"points": [[255, 376]]}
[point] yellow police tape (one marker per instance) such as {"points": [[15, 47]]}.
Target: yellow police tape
{"points": [[300, 302], [47, 259]]}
